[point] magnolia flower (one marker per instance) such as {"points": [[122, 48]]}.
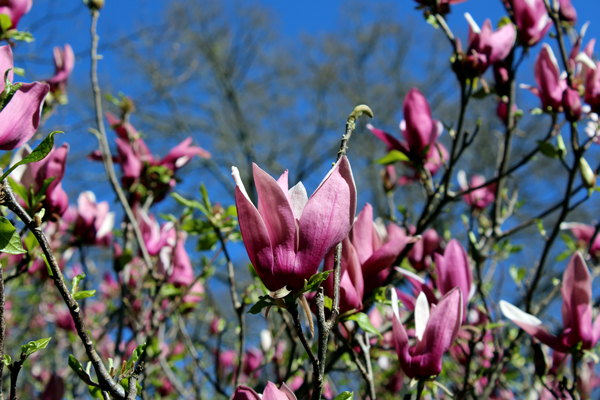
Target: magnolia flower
{"points": [[20, 118], [271, 393], [478, 198], [15, 9], [94, 222], [576, 312], [435, 331], [289, 234], [64, 61], [572, 104], [487, 47], [420, 133], [453, 269], [421, 254], [532, 20], [33, 176], [155, 236], [584, 234], [567, 12], [551, 83], [174, 259]]}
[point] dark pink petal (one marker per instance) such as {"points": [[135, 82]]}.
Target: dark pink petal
{"points": [[130, 162], [532, 20], [383, 258], [183, 273], [454, 270], [288, 392], [392, 142], [6, 63], [418, 284], [420, 128], [547, 75], [326, 219], [15, 9], [351, 281], [182, 154], [256, 239], [401, 339], [245, 393], [276, 212], [577, 301]]}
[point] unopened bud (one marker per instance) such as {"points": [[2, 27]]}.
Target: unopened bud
{"points": [[95, 4], [560, 146], [587, 174], [571, 104]]}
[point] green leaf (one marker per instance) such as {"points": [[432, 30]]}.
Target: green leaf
{"points": [[31, 347], [10, 241], [137, 353], [39, 153], [7, 360], [363, 321], [9, 90], [433, 22], [84, 294], [345, 396], [47, 264], [263, 301], [76, 281], [517, 274], [314, 282], [18, 35], [205, 198], [189, 203], [95, 392], [5, 22], [392, 157], [20, 190]]}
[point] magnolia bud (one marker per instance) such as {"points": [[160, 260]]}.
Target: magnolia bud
{"points": [[560, 146], [571, 104], [587, 174], [96, 4]]}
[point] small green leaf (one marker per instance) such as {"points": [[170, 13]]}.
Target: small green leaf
{"points": [[47, 264], [433, 22], [205, 198], [9, 90], [392, 157], [264, 301], [76, 281], [5, 22], [20, 190], [18, 35], [364, 322], [95, 392], [314, 282], [517, 274], [137, 353], [536, 111], [548, 149], [31, 347], [7, 360], [345, 396], [84, 294], [10, 241], [39, 153]]}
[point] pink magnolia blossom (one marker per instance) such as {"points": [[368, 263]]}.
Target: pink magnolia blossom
{"points": [[487, 47], [270, 393], [174, 259], [289, 234], [421, 254], [15, 9], [155, 236], [567, 12], [20, 118], [195, 294], [252, 360], [64, 62], [572, 104], [33, 175], [532, 20], [576, 312], [453, 269], [94, 222], [367, 253], [550, 82], [584, 234], [478, 198], [435, 331]]}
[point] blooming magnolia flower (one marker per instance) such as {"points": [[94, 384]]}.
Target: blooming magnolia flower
{"points": [[94, 222], [420, 133], [453, 269], [20, 118], [435, 331], [155, 236], [478, 198], [584, 234], [15, 9], [64, 62], [532, 20], [33, 176], [367, 253], [576, 312], [174, 258], [487, 47], [289, 234], [551, 83], [271, 393]]}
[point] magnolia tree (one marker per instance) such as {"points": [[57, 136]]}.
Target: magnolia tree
{"points": [[100, 300]]}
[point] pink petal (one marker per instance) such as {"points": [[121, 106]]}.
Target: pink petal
{"points": [[245, 393], [401, 339], [577, 301], [326, 219], [420, 130], [454, 270], [362, 233], [272, 393], [20, 118], [392, 142]]}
